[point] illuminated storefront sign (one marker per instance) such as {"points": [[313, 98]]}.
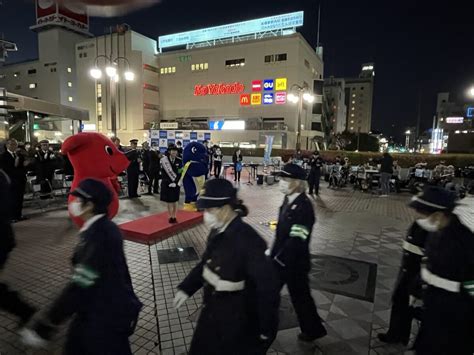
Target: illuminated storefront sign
{"points": [[280, 84], [245, 99], [268, 99], [257, 85], [470, 112], [227, 125], [218, 89], [268, 85], [256, 99], [454, 119], [280, 98]]}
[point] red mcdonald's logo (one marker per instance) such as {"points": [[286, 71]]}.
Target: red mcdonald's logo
{"points": [[245, 99]]}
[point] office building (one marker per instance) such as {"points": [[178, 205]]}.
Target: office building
{"points": [[334, 90]]}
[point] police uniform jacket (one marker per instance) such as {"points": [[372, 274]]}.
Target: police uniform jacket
{"points": [[241, 293], [7, 238], [293, 235], [100, 291], [448, 274], [133, 156], [316, 165], [409, 281], [45, 164]]}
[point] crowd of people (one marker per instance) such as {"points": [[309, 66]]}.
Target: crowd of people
{"points": [[240, 277]]}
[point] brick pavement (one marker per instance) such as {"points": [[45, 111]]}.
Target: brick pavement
{"points": [[350, 225]]}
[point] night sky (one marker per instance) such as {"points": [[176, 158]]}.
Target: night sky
{"points": [[419, 47]]}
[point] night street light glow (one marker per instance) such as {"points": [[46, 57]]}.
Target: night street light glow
{"points": [[96, 73], [129, 76], [308, 97], [111, 71], [471, 91], [293, 98]]}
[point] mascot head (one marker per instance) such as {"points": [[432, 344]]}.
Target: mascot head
{"points": [[93, 154], [195, 152]]}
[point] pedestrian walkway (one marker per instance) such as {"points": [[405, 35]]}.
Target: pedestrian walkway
{"points": [[356, 249]]}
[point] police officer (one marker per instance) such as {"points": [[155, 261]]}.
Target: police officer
{"points": [[133, 170], [10, 300], [407, 291], [100, 293], [290, 251], [46, 162], [316, 162], [447, 271], [241, 294]]}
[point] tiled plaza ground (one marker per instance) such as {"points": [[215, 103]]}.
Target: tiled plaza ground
{"points": [[353, 297]]}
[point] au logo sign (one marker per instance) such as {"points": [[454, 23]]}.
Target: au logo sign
{"points": [[280, 84], [245, 99], [268, 85], [256, 99]]}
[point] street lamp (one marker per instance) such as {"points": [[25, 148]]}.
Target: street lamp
{"points": [[300, 94], [114, 77]]}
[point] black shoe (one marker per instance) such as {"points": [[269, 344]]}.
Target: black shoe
{"points": [[309, 338], [174, 220], [389, 339]]}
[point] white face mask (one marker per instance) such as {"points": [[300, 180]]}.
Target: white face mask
{"points": [[427, 224], [211, 220], [284, 187], [75, 208]]}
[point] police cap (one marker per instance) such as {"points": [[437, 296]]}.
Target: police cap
{"points": [[133, 140], [293, 171], [95, 191], [217, 193], [434, 199], [44, 141]]}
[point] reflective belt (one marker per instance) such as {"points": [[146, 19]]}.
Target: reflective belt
{"points": [[219, 284], [436, 281], [412, 248]]}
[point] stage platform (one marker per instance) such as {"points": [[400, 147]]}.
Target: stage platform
{"points": [[155, 228]]}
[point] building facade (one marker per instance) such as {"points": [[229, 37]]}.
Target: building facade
{"points": [[334, 90]]}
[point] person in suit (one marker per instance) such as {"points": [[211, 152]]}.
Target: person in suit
{"points": [[237, 160], [133, 170], [46, 162], [155, 173], [171, 168], [217, 161], [13, 163]]}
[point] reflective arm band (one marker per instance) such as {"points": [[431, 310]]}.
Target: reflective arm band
{"points": [[412, 248], [469, 287], [84, 276], [439, 282], [299, 231]]}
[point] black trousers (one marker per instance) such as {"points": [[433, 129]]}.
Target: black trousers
{"points": [[132, 176], [153, 181], [11, 302], [217, 168], [313, 181], [401, 315], [303, 303], [18, 192]]}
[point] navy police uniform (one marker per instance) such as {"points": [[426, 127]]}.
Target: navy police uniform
{"points": [[408, 287], [46, 163], [241, 294], [133, 171], [100, 292], [291, 255], [316, 163]]}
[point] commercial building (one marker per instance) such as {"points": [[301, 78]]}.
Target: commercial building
{"points": [[335, 93], [238, 85]]}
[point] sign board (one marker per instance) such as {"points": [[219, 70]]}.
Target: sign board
{"points": [[280, 84], [71, 15], [268, 98], [168, 125], [280, 98], [255, 99], [245, 99], [268, 84], [470, 112], [272, 23], [163, 138], [257, 85], [218, 89], [454, 119]]}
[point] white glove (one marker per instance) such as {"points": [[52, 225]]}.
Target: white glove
{"points": [[268, 252], [179, 299], [263, 337], [30, 338], [172, 184]]}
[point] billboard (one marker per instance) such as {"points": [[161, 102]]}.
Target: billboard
{"points": [[71, 15], [272, 23]]}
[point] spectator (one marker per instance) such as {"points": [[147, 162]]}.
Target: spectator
{"points": [[116, 141], [217, 161], [237, 160], [179, 146], [386, 171]]}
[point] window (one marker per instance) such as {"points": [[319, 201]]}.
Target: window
{"points": [[199, 67], [99, 109], [353, 108], [352, 121], [70, 99], [281, 57], [353, 102], [99, 91], [16, 74], [353, 88], [53, 70], [31, 71], [69, 84], [232, 63], [168, 70], [32, 86], [306, 64], [69, 70], [353, 95], [2, 76], [17, 87], [278, 58], [184, 58], [269, 58], [82, 55], [352, 115]]}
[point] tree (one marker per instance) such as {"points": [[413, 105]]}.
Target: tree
{"points": [[348, 141]]}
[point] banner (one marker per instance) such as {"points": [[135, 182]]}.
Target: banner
{"points": [[268, 149], [162, 139]]}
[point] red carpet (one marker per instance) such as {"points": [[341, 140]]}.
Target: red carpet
{"points": [[155, 228]]}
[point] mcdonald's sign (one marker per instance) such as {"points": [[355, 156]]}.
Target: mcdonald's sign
{"points": [[245, 99]]}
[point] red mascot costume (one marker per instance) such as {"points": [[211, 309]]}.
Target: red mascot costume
{"points": [[95, 156]]}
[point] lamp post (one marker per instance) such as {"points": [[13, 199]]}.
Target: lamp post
{"points": [[297, 95], [114, 77]]}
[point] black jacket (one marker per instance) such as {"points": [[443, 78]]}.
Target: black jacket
{"points": [[7, 238], [237, 254], [293, 235], [45, 164], [316, 164], [100, 289], [236, 158], [386, 164], [14, 169]]}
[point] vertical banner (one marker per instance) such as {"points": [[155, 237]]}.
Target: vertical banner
{"points": [[268, 149]]}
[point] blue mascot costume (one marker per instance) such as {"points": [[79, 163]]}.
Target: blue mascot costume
{"points": [[195, 168]]}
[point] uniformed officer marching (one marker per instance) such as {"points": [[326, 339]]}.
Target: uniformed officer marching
{"points": [[46, 163], [100, 293], [447, 270], [241, 293], [408, 287], [316, 163], [290, 251], [133, 170]]}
